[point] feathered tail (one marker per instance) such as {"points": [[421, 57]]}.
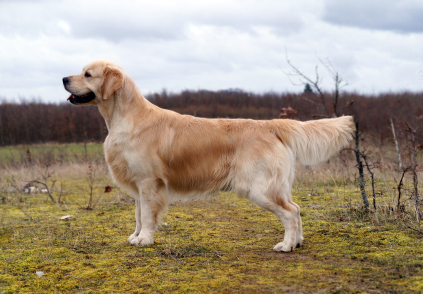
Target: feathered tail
{"points": [[316, 140]]}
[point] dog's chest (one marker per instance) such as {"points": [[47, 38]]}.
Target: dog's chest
{"points": [[114, 151]]}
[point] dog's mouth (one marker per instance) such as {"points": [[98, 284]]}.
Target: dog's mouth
{"points": [[75, 99]]}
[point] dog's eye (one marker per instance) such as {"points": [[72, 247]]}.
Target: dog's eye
{"points": [[87, 74]]}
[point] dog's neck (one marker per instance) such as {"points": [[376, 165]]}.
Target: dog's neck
{"points": [[122, 103]]}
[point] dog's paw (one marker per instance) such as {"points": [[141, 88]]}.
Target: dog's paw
{"points": [[141, 240], [283, 247], [132, 237], [299, 241]]}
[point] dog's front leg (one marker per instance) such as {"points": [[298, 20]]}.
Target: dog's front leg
{"points": [[147, 223], [138, 226], [152, 203]]}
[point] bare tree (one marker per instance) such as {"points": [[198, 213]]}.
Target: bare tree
{"points": [[360, 166], [370, 166], [45, 176], [303, 80], [316, 83], [338, 82], [404, 170], [396, 144], [413, 148]]}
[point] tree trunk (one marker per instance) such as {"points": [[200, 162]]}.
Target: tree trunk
{"points": [[396, 144], [360, 169]]}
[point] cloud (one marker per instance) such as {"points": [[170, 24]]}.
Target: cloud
{"points": [[197, 44], [391, 15], [118, 20]]}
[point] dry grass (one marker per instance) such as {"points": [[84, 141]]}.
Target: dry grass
{"points": [[13, 157], [221, 245]]}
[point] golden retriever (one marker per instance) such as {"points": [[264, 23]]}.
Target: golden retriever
{"points": [[160, 156]]}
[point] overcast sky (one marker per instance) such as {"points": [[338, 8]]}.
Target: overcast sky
{"points": [[377, 46]]}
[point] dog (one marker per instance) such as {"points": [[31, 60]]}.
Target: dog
{"points": [[160, 156]]}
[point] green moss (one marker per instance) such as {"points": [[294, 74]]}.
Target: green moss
{"points": [[220, 245]]}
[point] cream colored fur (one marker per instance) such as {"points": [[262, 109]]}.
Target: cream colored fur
{"points": [[160, 156]]}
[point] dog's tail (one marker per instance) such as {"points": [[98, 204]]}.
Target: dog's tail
{"points": [[316, 140]]}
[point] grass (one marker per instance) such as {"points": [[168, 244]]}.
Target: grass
{"points": [[221, 245], [52, 153]]}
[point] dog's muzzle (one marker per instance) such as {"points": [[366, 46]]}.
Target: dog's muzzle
{"points": [[78, 99]]}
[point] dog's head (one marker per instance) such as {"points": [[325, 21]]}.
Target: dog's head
{"points": [[98, 81]]}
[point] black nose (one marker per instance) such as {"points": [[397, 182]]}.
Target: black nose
{"points": [[65, 81]]}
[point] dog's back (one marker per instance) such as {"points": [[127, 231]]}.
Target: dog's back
{"points": [[204, 155]]}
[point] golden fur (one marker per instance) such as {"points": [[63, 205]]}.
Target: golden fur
{"points": [[160, 156]]}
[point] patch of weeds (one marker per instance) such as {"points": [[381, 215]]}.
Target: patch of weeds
{"points": [[189, 251]]}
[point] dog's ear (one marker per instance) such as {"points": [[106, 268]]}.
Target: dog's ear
{"points": [[111, 82]]}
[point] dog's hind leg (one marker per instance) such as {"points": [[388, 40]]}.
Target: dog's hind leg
{"points": [[276, 198], [281, 204], [153, 202], [300, 237], [278, 202]]}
